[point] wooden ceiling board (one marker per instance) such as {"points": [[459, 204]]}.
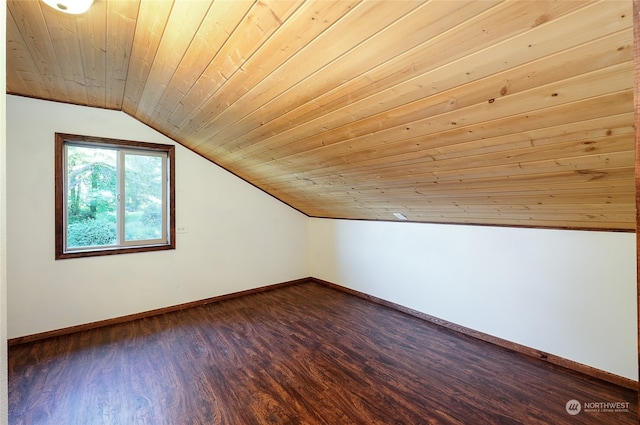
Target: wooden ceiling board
{"points": [[23, 75], [516, 113], [439, 45], [62, 30], [307, 22], [348, 73], [121, 20], [510, 81], [533, 185], [348, 150], [531, 128], [150, 23], [179, 31], [33, 30], [93, 72], [471, 94], [317, 53], [252, 31], [582, 132], [216, 27]]}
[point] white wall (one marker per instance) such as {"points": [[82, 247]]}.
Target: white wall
{"points": [[238, 237], [3, 222], [568, 293]]}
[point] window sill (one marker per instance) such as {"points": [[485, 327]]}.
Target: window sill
{"points": [[113, 251]]}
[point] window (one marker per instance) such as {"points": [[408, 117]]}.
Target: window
{"points": [[113, 196]]}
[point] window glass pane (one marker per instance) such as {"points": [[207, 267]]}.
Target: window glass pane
{"points": [[91, 197], [143, 197]]}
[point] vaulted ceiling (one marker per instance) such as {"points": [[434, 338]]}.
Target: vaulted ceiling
{"points": [[486, 112]]}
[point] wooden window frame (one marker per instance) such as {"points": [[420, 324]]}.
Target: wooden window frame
{"points": [[60, 140]]}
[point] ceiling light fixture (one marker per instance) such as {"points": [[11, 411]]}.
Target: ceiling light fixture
{"points": [[74, 7]]}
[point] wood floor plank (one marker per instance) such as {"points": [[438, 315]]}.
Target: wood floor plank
{"points": [[301, 354]]}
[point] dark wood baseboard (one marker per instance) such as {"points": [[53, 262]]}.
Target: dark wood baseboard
{"points": [[150, 313], [557, 360], [541, 355]]}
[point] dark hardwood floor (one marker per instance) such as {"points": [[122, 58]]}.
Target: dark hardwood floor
{"points": [[302, 354]]}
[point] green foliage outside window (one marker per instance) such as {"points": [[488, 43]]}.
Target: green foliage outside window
{"points": [[92, 197]]}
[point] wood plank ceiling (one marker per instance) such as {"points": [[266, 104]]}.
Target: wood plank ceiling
{"points": [[487, 112]]}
